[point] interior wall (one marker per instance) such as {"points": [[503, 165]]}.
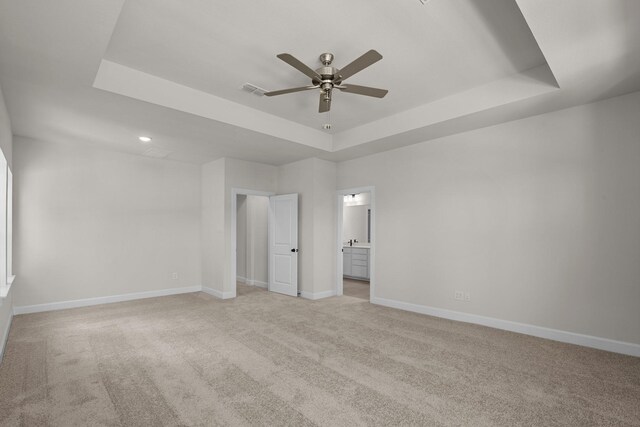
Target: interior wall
{"points": [[212, 224], [219, 178], [6, 135], [252, 239], [538, 219], [93, 223], [315, 182], [297, 177], [245, 175], [324, 228], [354, 226], [257, 240], [241, 238], [6, 144]]}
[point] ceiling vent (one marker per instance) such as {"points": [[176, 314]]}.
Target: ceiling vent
{"points": [[156, 152], [257, 91]]}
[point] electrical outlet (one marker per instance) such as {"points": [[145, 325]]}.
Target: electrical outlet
{"points": [[459, 295], [174, 276], [467, 296]]}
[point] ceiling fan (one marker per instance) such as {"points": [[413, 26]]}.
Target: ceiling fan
{"points": [[327, 78]]}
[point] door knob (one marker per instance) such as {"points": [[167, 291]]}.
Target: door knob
{"points": [[294, 250]]}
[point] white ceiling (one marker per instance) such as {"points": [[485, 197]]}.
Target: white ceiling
{"points": [[429, 52], [450, 66]]}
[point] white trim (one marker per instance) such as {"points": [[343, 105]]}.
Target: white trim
{"points": [[5, 336], [318, 295], [63, 305], [622, 347], [257, 283], [251, 282], [218, 294], [338, 289], [4, 291]]}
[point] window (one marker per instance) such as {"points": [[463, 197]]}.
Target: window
{"points": [[6, 226]]}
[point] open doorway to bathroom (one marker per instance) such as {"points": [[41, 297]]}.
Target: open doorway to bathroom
{"points": [[251, 243], [356, 243]]}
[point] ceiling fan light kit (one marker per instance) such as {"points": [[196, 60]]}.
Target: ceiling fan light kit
{"points": [[327, 77]]}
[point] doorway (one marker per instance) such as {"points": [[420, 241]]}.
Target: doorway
{"points": [[264, 242], [355, 275], [251, 243]]}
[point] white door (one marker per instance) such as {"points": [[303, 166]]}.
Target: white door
{"points": [[283, 244]]}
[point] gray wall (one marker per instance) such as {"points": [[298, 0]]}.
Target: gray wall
{"points": [[93, 223], [538, 219]]}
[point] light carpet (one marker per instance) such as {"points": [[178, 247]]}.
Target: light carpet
{"points": [[355, 288], [268, 359]]}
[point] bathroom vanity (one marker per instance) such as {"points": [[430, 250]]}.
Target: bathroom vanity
{"points": [[355, 262]]}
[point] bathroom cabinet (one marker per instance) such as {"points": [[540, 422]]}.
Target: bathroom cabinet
{"points": [[355, 262]]}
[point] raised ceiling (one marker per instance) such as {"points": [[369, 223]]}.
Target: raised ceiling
{"points": [[429, 52], [102, 73]]}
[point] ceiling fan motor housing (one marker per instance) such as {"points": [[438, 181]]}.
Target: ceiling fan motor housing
{"points": [[328, 74]]}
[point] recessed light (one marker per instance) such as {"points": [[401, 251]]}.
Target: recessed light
{"points": [[144, 138]]}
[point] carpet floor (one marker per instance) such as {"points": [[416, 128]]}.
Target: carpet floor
{"points": [[355, 288], [268, 359]]}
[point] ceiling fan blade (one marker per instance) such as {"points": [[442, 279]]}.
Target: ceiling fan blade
{"points": [[359, 64], [325, 103], [364, 90], [298, 65], [292, 90]]}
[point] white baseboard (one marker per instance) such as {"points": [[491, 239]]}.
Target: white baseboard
{"points": [[252, 282], [5, 336], [257, 283], [218, 294], [622, 347], [62, 305], [317, 295]]}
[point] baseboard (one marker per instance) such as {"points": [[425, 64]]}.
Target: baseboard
{"points": [[218, 294], [317, 295], [241, 279], [622, 347], [257, 283], [62, 305], [5, 337]]}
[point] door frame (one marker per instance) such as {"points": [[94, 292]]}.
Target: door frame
{"points": [[235, 192], [372, 251]]}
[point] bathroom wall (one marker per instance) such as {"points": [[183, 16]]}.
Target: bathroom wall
{"points": [[354, 225]]}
